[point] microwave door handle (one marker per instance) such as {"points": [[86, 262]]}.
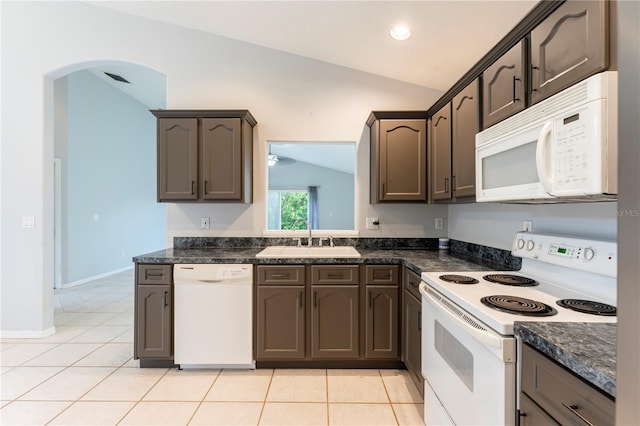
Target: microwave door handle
{"points": [[542, 153]]}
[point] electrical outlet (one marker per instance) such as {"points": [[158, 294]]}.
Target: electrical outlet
{"points": [[204, 223], [527, 225], [373, 223], [439, 223]]}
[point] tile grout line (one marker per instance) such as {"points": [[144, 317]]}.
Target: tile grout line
{"points": [[202, 400], [386, 391], [264, 402], [141, 398]]}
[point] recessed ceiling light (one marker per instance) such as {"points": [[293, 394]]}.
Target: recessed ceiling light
{"points": [[400, 32]]}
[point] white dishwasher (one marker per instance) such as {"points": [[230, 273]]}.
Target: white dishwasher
{"points": [[213, 315]]}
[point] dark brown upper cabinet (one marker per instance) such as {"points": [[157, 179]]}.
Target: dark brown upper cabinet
{"points": [[570, 45], [440, 165], [205, 155], [453, 147], [398, 156], [504, 86], [465, 124]]}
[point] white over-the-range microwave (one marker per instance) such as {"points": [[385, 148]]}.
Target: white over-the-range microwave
{"points": [[562, 149]]}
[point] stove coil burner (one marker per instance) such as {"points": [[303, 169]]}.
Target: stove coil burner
{"points": [[458, 279], [518, 305], [588, 307], [508, 279]]}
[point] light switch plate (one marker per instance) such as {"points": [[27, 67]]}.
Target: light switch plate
{"points": [[28, 222]]}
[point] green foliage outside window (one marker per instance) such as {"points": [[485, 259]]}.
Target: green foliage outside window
{"points": [[293, 206]]}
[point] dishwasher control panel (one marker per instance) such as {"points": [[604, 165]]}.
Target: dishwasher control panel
{"points": [[228, 272]]}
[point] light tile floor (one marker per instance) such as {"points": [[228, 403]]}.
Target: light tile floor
{"points": [[85, 375]]}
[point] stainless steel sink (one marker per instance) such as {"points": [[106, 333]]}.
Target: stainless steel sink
{"points": [[297, 252]]}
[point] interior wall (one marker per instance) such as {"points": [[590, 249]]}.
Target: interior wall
{"points": [[335, 191], [495, 225], [110, 212], [293, 98]]}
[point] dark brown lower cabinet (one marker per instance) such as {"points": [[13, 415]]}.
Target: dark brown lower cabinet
{"points": [[532, 415], [280, 325], [382, 322], [412, 338], [334, 322], [154, 321]]}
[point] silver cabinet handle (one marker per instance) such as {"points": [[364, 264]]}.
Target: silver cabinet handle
{"points": [[165, 299], [574, 410], [515, 96]]}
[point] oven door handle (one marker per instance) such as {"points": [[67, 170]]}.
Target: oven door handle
{"points": [[476, 330]]}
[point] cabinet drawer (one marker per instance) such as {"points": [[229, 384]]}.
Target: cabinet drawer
{"points": [[334, 274], [561, 394], [154, 274], [280, 275], [382, 274], [412, 282]]}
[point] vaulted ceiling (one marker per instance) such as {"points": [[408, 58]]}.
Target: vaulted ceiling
{"points": [[448, 37]]}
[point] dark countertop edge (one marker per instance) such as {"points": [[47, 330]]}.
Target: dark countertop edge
{"points": [[413, 259], [585, 367]]}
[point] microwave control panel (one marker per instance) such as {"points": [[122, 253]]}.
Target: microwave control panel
{"points": [[576, 151]]}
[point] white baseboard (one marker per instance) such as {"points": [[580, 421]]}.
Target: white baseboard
{"points": [[95, 277], [27, 334]]}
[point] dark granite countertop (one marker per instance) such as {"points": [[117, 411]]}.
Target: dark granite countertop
{"points": [[587, 349], [416, 260]]}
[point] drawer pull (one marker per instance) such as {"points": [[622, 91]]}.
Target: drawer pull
{"points": [[154, 274], [413, 283], [386, 275], [285, 275], [574, 410], [334, 275]]}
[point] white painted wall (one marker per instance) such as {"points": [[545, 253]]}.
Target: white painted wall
{"points": [[494, 224], [110, 211], [293, 98]]}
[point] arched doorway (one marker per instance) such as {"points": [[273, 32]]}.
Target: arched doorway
{"points": [[101, 138]]}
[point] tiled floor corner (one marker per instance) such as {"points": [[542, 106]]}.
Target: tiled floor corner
{"points": [[85, 374]]}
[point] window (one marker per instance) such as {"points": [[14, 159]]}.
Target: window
{"points": [[285, 207], [314, 182]]}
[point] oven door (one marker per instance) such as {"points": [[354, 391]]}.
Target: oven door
{"points": [[469, 368]]}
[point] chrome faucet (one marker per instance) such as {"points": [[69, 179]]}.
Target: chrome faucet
{"points": [[309, 240]]}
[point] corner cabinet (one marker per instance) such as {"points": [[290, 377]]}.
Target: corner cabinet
{"points": [[398, 156], [570, 45], [153, 318], [453, 143], [205, 155]]}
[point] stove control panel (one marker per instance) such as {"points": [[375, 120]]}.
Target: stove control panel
{"points": [[591, 255]]}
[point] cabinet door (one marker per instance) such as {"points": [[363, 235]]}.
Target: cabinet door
{"points": [[177, 159], [280, 322], [412, 338], [466, 123], [221, 159], [503, 86], [568, 46], [381, 322], [334, 322], [532, 415], [154, 310], [441, 154], [403, 160]]}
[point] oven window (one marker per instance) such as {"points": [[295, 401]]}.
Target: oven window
{"points": [[515, 166], [455, 354]]}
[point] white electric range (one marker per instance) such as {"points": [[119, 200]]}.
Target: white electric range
{"points": [[469, 351]]}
